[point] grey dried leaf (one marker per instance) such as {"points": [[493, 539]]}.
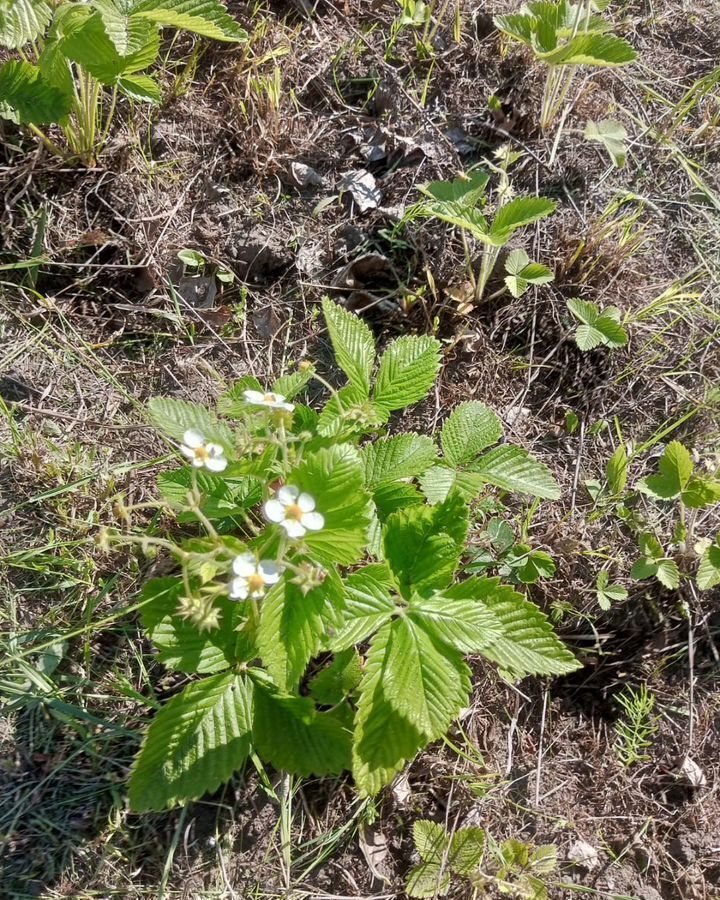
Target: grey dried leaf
{"points": [[363, 189]]}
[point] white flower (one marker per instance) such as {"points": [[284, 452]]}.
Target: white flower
{"points": [[212, 456], [293, 511], [252, 577], [274, 401]]}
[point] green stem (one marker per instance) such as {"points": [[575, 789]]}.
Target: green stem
{"points": [[487, 265], [50, 144]]}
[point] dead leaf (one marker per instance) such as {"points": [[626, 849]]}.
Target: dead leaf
{"points": [[691, 771], [401, 790], [304, 175], [363, 188], [464, 296], [198, 291], [583, 854], [374, 849]]}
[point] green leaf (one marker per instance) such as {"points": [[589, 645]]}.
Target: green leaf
{"points": [[668, 573], [334, 477], [527, 644], [402, 456], [408, 370], [462, 623], [353, 343], [593, 50], [208, 18], [335, 682], [292, 736], [513, 469], [423, 544], [517, 213], [612, 136], [470, 428], [616, 470], [527, 566], [291, 385], [466, 850], [584, 310], [222, 497], [431, 840], [439, 481], [140, 87], [195, 743], [368, 605], [701, 492], [175, 417], [179, 643], [466, 190], [27, 98], [90, 47], [428, 880], [409, 694], [675, 469], [22, 21], [522, 273], [608, 593], [708, 574], [290, 632]]}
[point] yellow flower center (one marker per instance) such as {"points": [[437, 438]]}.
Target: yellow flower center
{"points": [[201, 453], [269, 398], [294, 512], [255, 582]]}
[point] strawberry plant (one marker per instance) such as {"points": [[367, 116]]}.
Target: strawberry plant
{"points": [[564, 36], [318, 594], [70, 52], [463, 203]]}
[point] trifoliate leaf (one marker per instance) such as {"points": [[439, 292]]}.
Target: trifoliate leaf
{"points": [[513, 469], [607, 593], [470, 428], [402, 456], [612, 136], [294, 737], [525, 565], [353, 343], [522, 273], [195, 743], [334, 477], [408, 370], [180, 644], [90, 46], [466, 850]]}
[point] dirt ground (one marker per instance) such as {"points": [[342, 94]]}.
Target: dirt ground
{"points": [[245, 161]]}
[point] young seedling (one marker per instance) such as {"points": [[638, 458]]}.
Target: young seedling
{"points": [[521, 273], [517, 562], [598, 326], [71, 52], [612, 136], [320, 595], [655, 563], [462, 203], [608, 593], [564, 36], [708, 573], [675, 480]]}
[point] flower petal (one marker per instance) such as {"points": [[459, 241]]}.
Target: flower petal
{"points": [[313, 521], [239, 589], [193, 438], [216, 463], [245, 564], [197, 463], [306, 502], [287, 406], [270, 571], [288, 494], [188, 451], [254, 396], [274, 510], [214, 449], [293, 528]]}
